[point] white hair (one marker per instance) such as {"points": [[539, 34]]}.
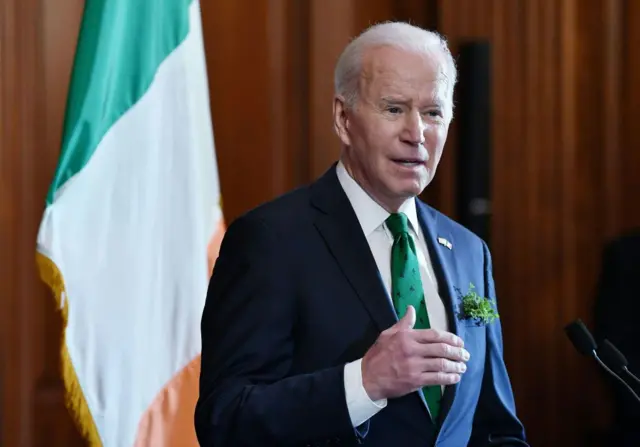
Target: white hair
{"points": [[400, 35]]}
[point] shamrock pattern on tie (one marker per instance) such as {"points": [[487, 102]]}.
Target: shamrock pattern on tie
{"points": [[406, 289]]}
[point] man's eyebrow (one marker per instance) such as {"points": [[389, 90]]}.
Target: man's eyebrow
{"points": [[393, 99]]}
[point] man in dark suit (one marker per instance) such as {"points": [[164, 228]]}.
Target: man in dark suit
{"points": [[334, 314], [616, 319]]}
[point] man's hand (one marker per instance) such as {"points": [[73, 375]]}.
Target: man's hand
{"points": [[404, 359]]}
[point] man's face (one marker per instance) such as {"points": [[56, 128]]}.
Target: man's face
{"points": [[395, 133]]}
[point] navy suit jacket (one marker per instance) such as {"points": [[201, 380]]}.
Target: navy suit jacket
{"points": [[296, 294]]}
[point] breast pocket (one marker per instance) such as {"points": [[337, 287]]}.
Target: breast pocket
{"points": [[474, 324], [474, 338]]}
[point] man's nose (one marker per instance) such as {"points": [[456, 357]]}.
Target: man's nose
{"points": [[414, 129]]}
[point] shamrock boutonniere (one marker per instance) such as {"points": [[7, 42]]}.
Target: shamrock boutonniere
{"points": [[476, 307]]}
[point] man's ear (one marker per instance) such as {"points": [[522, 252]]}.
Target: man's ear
{"points": [[341, 119]]}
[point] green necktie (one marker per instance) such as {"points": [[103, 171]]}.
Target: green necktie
{"points": [[406, 289]]}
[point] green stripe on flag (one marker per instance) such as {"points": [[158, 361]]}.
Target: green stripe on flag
{"points": [[120, 46]]}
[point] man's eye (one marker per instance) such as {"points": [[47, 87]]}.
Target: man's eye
{"points": [[434, 113], [394, 110]]}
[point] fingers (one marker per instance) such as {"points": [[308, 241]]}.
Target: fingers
{"points": [[414, 342], [438, 336], [442, 350], [419, 379], [439, 378], [442, 366]]}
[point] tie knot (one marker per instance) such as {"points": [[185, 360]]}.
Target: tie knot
{"points": [[398, 224]]}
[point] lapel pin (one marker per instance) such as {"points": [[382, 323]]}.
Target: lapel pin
{"points": [[446, 243]]}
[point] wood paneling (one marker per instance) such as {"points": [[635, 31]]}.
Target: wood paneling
{"points": [[324, 49], [256, 59], [238, 63], [629, 88], [38, 42]]}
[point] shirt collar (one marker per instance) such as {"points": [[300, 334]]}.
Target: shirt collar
{"points": [[369, 213]]}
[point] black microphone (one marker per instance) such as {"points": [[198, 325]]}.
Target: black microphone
{"points": [[612, 356], [581, 338], [584, 343]]}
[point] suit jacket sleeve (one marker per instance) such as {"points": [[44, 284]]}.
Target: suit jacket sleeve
{"points": [[247, 395], [495, 422]]}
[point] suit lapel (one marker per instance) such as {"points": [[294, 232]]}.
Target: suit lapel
{"points": [[339, 227], [445, 270]]}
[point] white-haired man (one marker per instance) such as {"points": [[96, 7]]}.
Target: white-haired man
{"points": [[334, 314]]}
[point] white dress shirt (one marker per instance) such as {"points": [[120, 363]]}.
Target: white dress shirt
{"points": [[372, 218]]}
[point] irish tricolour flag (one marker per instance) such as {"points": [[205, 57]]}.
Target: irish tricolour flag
{"points": [[132, 222]]}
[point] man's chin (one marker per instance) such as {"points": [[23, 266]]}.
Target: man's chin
{"points": [[412, 189]]}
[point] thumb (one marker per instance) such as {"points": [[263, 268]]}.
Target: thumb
{"points": [[409, 319]]}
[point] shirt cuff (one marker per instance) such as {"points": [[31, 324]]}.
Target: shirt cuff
{"points": [[360, 406]]}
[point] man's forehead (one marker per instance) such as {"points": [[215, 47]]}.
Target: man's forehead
{"points": [[393, 87], [389, 66]]}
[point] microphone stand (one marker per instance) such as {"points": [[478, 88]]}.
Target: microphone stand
{"points": [[620, 379], [631, 375], [585, 344]]}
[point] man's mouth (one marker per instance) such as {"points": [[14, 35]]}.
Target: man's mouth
{"points": [[409, 162]]}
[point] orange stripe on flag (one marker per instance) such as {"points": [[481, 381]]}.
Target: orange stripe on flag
{"points": [[169, 420], [214, 244]]}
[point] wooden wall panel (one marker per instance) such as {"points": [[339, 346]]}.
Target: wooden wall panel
{"points": [[613, 36], [256, 59], [562, 186], [630, 91], [324, 49], [237, 60], [59, 27], [38, 42]]}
